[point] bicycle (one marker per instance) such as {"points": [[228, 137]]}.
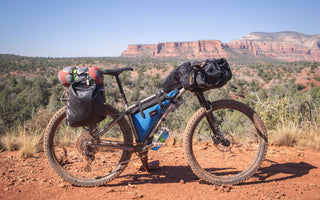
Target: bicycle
{"points": [[225, 141]]}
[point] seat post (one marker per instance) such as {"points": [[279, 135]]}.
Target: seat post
{"points": [[123, 96]]}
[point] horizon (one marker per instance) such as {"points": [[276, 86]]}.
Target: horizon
{"points": [[104, 29]]}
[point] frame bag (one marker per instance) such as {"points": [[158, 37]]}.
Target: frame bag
{"points": [[146, 115]]}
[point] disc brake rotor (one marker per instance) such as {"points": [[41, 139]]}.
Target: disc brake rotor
{"points": [[224, 148]]}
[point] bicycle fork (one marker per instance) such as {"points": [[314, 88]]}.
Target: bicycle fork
{"points": [[217, 136]]}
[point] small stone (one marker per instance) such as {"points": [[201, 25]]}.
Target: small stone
{"points": [[11, 182], [130, 186], [227, 189], [138, 196], [168, 151], [110, 190], [204, 146], [5, 189], [181, 181], [171, 142], [61, 185], [312, 185]]}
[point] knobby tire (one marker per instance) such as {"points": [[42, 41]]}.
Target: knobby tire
{"points": [[62, 163], [226, 165]]}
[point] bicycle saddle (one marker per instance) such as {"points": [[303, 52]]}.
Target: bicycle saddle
{"points": [[116, 72]]}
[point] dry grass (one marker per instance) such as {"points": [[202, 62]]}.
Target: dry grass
{"points": [[29, 144], [9, 141], [294, 136], [27, 138], [19, 139]]}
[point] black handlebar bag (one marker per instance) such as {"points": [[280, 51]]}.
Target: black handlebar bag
{"points": [[85, 105], [215, 74]]}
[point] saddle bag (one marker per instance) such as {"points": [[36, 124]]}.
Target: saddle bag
{"points": [[146, 115], [85, 104]]}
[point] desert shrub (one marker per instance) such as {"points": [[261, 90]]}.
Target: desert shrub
{"points": [[286, 124]]}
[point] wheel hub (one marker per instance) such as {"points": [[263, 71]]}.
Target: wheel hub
{"points": [[84, 145], [226, 144]]}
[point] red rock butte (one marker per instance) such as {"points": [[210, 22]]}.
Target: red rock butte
{"points": [[284, 46]]}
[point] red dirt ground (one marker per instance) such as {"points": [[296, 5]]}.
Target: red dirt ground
{"points": [[287, 173]]}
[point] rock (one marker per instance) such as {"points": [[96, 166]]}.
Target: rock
{"points": [[11, 182], [181, 181], [226, 189], [130, 186], [110, 190], [285, 46], [312, 185], [138, 196], [61, 185], [168, 151], [171, 142], [21, 180], [200, 49]]}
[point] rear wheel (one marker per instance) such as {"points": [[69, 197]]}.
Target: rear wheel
{"points": [[72, 155], [234, 161]]}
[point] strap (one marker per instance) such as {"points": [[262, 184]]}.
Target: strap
{"points": [[141, 111], [159, 100]]}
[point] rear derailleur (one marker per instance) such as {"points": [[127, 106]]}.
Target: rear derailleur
{"points": [[84, 145]]}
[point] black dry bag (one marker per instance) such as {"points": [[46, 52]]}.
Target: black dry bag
{"points": [[85, 105]]}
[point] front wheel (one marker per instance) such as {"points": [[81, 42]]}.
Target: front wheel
{"points": [[226, 163], [71, 155]]}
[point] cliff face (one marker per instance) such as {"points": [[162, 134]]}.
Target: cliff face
{"points": [[199, 49], [286, 46]]}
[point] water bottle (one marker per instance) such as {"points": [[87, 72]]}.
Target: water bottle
{"points": [[160, 138]]}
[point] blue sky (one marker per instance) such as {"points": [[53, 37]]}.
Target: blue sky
{"points": [[71, 28]]}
